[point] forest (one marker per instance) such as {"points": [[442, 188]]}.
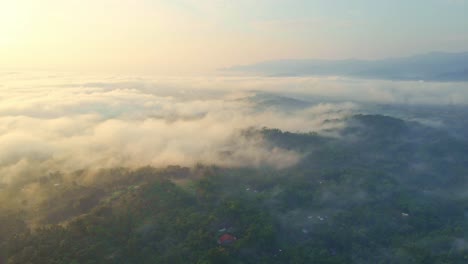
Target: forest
{"points": [[380, 190]]}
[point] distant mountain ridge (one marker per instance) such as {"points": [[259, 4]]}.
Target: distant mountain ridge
{"points": [[435, 66]]}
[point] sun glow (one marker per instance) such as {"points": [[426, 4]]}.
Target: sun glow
{"points": [[14, 22], [193, 36]]}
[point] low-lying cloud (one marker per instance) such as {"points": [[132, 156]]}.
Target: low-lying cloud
{"points": [[63, 123], [48, 125]]}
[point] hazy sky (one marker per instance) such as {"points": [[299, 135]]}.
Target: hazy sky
{"points": [[186, 36]]}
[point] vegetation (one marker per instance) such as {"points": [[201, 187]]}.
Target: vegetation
{"points": [[384, 191]]}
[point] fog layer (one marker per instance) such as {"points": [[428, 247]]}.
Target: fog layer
{"points": [[60, 122], [47, 124]]}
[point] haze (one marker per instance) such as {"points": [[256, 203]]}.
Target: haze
{"points": [[186, 36], [243, 131]]}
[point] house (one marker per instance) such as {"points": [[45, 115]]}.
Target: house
{"points": [[226, 239]]}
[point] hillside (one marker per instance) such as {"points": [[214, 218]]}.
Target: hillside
{"points": [[381, 190]]}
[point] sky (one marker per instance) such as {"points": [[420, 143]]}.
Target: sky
{"points": [[171, 37]]}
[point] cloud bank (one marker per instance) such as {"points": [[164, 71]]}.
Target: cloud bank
{"points": [[62, 122], [49, 124]]}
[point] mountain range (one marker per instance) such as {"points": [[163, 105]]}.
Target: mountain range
{"points": [[435, 66]]}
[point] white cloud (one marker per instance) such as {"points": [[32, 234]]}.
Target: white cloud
{"points": [[48, 125], [65, 123]]}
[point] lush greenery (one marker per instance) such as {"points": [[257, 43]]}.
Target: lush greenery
{"points": [[382, 191]]}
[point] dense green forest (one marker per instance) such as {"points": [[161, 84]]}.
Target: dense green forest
{"points": [[380, 190]]}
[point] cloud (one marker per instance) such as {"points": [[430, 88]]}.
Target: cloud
{"points": [[62, 122], [49, 124]]}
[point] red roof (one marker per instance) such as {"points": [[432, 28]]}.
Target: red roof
{"points": [[226, 239]]}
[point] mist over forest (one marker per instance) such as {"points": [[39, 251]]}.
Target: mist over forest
{"points": [[105, 169], [233, 132]]}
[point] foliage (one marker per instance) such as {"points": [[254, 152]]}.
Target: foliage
{"points": [[376, 194]]}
